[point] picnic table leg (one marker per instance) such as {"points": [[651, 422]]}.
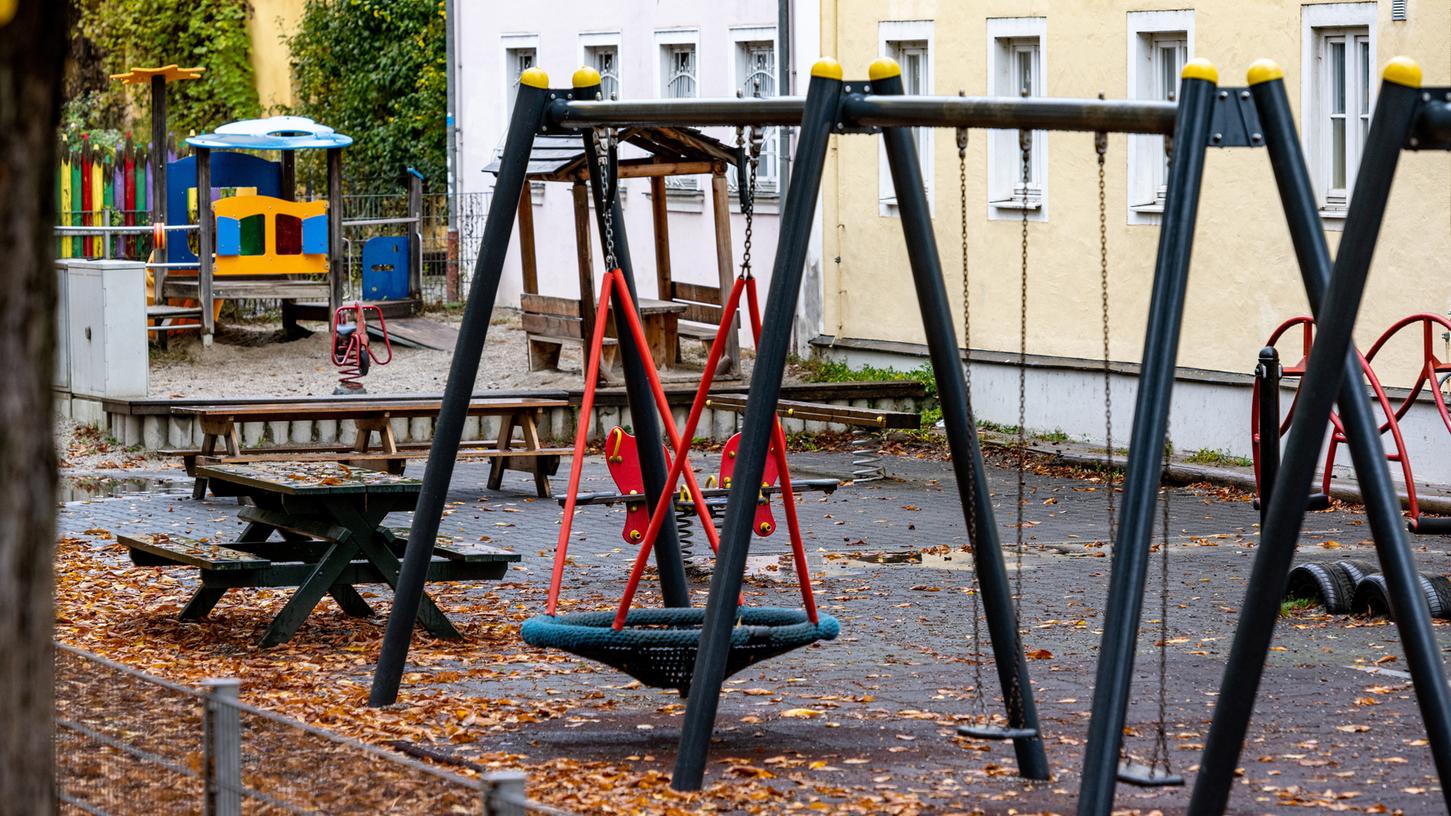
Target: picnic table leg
{"points": [[351, 602], [530, 426], [202, 601], [372, 540], [318, 584], [505, 441], [209, 446]]}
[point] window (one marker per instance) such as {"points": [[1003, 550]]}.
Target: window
{"points": [[1015, 60], [1338, 49], [755, 73], [677, 71], [910, 44], [1342, 71], [606, 60], [1159, 45], [679, 79], [517, 60]]}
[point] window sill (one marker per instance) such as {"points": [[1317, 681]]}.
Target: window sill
{"points": [[1157, 208], [1017, 206]]}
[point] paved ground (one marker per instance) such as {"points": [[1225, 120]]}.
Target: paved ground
{"points": [[1336, 725]]}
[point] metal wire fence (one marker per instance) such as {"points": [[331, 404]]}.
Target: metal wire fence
{"points": [[127, 742]]}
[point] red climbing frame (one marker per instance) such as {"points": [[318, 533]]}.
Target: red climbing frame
{"points": [[1431, 367], [614, 283]]}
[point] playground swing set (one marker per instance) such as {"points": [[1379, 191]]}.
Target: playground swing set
{"points": [[1204, 115]]}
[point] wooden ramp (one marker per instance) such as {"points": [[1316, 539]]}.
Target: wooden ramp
{"points": [[419, 332]]}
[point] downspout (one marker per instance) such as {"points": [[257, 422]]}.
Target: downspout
{"points": [[451, 150]]}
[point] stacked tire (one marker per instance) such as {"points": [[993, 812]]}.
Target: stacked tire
{"points": [[1351, 586]]}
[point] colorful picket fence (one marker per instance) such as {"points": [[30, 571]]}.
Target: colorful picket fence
{"points": [[105, 186]]}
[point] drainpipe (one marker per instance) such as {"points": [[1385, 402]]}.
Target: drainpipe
{"points": [[451, 151], [783, 85]]}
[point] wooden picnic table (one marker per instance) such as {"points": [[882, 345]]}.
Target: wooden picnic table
{"points": [[220, 423], [330, 520]]}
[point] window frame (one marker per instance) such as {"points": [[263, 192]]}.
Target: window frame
{"points": [[513, 47], [1320, 24], [896, 39], [1007, 39], [1147, 162], [744, 39], [669, 41], [591, 44]]}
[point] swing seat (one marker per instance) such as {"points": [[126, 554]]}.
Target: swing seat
{"points": [[658, 646], [1147, 776], [996, 732]]}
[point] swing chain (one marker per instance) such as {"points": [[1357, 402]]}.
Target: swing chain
{"points": [[1160, 753], [1025, 145], [605, 146], [748, 190], [1100, 144]]}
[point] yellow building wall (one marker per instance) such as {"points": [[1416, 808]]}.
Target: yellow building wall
{"points": [[271, 24], [1243, 281]]}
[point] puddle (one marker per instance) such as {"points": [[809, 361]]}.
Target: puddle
{"points": [[89, 488]]}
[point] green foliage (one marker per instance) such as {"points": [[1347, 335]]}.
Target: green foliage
{"points": [[112, 36], [821, 369], [376, 70], [1212, 456]]}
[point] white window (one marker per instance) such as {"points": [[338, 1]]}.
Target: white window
{"points": [[679, 78], [677, 71], [1160, 42], [1016, 67], [606, 60], [518, 59], [910, 44], [1337, 96], [755, 77]]}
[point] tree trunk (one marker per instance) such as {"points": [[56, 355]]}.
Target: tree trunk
{"points": [[32, 52]]}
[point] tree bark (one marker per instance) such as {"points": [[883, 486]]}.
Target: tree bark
{"points": [[32, 53]]}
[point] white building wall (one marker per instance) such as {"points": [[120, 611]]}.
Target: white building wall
{"points": [[562, 29]]}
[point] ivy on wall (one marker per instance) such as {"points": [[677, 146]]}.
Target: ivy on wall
{"points": [[110, 36], [375, 70]]}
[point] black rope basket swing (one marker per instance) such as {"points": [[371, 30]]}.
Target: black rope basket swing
{"points": [[658, 646]]}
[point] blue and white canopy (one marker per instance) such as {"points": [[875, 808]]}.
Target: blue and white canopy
{"points": [[272, 133]]}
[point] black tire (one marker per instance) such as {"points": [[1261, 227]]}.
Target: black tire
{"points": [[1372, 597], [1357, 570], [1441, 585], [1327, 583]]}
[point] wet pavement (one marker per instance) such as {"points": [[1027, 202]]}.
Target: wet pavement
{"points": [[1336, 725]]}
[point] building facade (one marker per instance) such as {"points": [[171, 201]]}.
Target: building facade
{"points": [[684, 49], [1244, 280]]}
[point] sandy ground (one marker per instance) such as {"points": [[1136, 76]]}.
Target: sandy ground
{"points": [[252, 360]]}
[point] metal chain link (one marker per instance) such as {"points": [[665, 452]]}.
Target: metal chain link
{"points": [[1160, 754], [1025, 145], [604, 139], [1100, 143], [748, 201]]}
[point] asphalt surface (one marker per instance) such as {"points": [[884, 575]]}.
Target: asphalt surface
{"points": [[1336, 724]]}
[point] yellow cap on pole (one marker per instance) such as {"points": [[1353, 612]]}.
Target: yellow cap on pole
{"points": [[826, 68], [534, 78], [1403, 71], [585, 77], [1263, 70], [1200, 68], [883, 68]]}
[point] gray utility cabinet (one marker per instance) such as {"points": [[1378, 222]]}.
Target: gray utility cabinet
{"points": [[105, 340]]}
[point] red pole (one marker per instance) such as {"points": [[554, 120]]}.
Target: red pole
{"points": [[581, 435]]}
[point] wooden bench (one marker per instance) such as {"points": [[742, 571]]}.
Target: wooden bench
{"points": [[550, 322], [220, 423], [822, 412]]}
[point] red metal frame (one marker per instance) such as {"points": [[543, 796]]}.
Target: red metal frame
{"points": [[1431, 366]]}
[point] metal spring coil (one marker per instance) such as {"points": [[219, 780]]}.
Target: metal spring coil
{"points": [[866, 459], [685, 531]]}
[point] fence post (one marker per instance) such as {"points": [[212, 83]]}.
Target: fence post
{"points": [[223, 748], [1268, 373], [415, 237], [504, 793]]}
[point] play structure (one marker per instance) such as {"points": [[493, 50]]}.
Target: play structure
{"points": [[658, 646], [1431, 374], [249, 237], [1204, 115], [685, 311]]}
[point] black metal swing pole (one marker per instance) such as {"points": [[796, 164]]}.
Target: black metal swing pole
{"points": [[817, 121], [1114, 677], [1333, 369], [644, 420], [528, 115], [967, 464]]}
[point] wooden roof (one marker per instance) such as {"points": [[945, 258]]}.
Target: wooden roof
{"points": [[562, 158]]}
